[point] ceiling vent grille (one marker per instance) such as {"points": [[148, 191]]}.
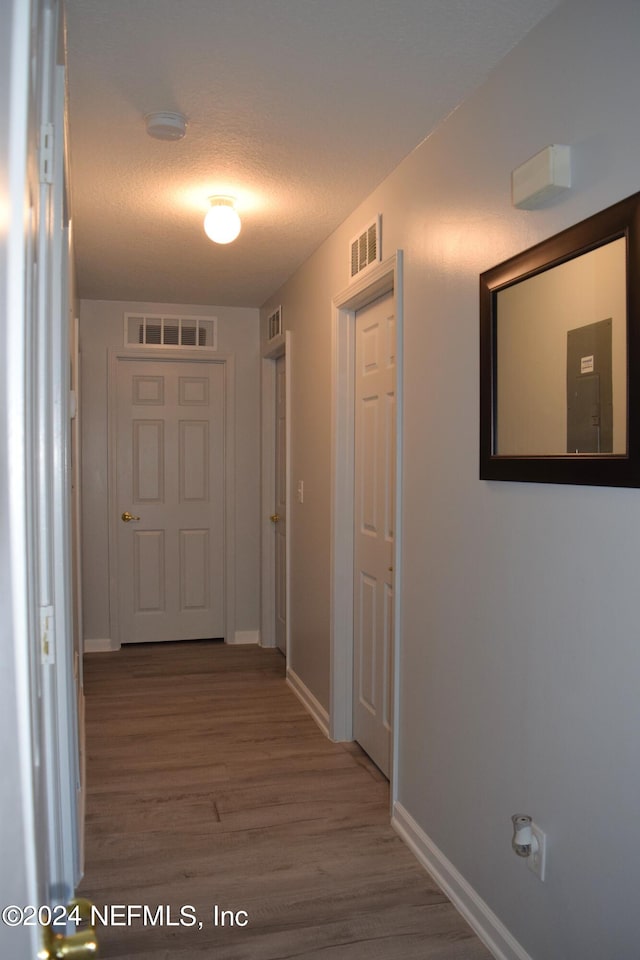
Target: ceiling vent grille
{"points": [[365, 249], [157, 330], [274, 324]]}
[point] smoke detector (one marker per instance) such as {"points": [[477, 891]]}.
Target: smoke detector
{"points": [[166, 126]]}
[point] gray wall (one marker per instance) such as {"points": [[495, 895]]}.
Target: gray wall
{"points": [[520, 662], [101, 327]]}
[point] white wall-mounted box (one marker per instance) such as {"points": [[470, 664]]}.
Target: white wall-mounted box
{"points": [[542, 178]]}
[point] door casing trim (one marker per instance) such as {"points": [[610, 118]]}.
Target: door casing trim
{"points": [[115, 355], [267, 472], [384, 278]]}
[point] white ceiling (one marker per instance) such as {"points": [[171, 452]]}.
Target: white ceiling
{"points": [[299, 108]]}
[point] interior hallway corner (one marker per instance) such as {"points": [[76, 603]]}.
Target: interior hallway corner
{"points": [[209, 785]]}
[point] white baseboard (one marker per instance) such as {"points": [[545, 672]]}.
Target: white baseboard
{"points": [[475, 911], [307, 699], [245, 636], [100, 645]]}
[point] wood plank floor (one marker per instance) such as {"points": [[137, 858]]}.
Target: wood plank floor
{"points": [[209, 784]]}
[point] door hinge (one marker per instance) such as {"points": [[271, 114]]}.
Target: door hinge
{"points": [[47, 635], [46, 153]]}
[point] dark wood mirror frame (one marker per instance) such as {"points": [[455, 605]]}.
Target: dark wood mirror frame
{"points": [[622, 470]]}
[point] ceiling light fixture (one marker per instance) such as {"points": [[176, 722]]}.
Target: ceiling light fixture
{"points": [[166, 126], [222, 223]]}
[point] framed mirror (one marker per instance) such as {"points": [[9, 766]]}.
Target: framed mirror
{"points": [[560, 356]]}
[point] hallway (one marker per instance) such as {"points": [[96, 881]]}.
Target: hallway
{"points": [[209, 785]]}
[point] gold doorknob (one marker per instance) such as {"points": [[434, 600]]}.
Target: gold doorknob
{"points": [[82, 945], [128, 517], [275, 518]]}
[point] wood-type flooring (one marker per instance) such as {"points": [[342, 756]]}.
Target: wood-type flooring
{"points": [[210, 786]]}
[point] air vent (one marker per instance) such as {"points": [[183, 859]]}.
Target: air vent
{"points": [[365, 249], [153, 330], [274, 324]]}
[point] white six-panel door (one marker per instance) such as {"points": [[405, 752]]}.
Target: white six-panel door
{"points": [[375, 454], [170, 477]]}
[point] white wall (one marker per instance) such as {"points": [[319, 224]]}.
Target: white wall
{"points": [[520, 662], [17, 881], [101, 327]]}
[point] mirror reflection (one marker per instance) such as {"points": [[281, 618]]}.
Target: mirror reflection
{"points": [[561, 359]]}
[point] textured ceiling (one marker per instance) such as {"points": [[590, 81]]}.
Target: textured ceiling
{"points": [[299, 108]]}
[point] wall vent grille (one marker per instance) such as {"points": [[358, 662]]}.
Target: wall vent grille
{"points": [[158, 330], [365, 249], [274, 324]]}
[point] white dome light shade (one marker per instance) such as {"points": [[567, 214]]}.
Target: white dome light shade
{"points": [[222, 223], [164, 125]]}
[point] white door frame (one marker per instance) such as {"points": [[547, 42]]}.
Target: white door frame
{"points": [[21, 820], [382, 279], [76, 562], [268, 475], [172, 356], [66, 737]]}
